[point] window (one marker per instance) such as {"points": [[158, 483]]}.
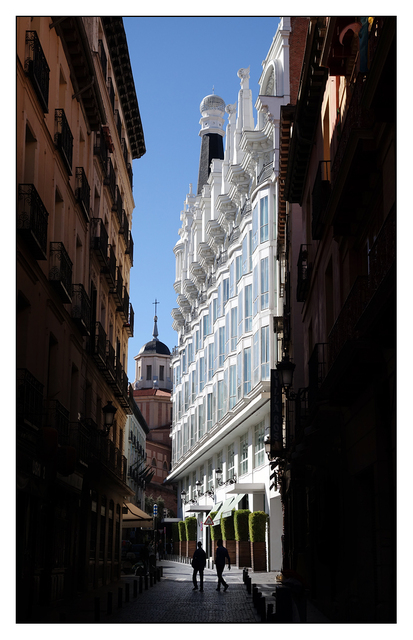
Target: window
{"points": [[190, 353], [201, 420], [225, 290], [233, 331], [254, 229], [230, 461], [214, 310], [196, 340], [184, 361], [264, 283], [256, 358], [219, 303], [248, 307], [247, 370], [192, 431], [239, 375], [238, 267], [209, 411], [232, 279], [264, 219], [227, 332], [210, 361], [161, 372], [186, 396], [232, 386], [220, 399], [243, 455], [102, 528], [265, 353], [240, 313], [255, 291], [201, 373], [245, 255], [210, 475], [259, 450], [205, 322], [221, 346]]}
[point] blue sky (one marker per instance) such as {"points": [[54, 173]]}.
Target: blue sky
{"points": [[176, 62]]}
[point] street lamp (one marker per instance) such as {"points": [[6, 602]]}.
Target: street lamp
{"points": [[198, 485], [108, 415], [218, 475], [285, 370]]}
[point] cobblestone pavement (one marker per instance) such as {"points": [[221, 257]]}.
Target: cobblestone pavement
{"points": [[173, 600]]}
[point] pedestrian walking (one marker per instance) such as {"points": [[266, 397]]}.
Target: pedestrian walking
{"points": [[198, 564], [221, 555]]}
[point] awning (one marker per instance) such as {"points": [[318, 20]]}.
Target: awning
{"points": [[135, 517], [216, 508], [199, 507], [247, 487]]}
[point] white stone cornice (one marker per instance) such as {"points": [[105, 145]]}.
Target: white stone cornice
{"points": [[190, 289], [184, 303], [198, 273], [207, 255], [215, 233], [178, 317]]}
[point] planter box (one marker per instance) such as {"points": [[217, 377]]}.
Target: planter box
{"points": [[243, 554], [230, 546], [190, 548], [182, 548], [258, 556]]}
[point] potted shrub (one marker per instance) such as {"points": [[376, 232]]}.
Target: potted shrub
{"points": [[228, 535], [182, 537], [216, 533], [191, 525], [257, 525], [242, 538]]}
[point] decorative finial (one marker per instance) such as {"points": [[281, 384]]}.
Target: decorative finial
{"points": [[213, 90], [155, 326]]}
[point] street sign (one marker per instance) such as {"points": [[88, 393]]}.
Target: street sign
{"points": [[209, 521], [155, 509]]}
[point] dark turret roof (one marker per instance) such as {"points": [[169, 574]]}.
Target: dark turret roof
{"points": [[155, 346]]}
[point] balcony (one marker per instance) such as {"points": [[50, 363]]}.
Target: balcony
{"points": [[117, 290], [320, 196], [32, 220], [103, 58], [81, 309], [124, 227], [82, 192], [29, 399], [99, 241], [111, 92], [105, 451], [109, 270], [37, 69], [80, 439], [303, 273], [98, 346], [64, 139], [57, 417], [123, 308], [60, 273], [118, 123], [129, 247], [110, 180], [109, 372], [117, 206], [100, 148], [129, 324]]}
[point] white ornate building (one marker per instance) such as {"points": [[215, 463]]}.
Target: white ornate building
{"points": [[230, 294]]}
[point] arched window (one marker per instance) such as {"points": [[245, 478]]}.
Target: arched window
{"points": [[153, 462]]}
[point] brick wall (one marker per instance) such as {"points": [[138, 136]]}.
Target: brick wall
{"points": [[298, 37]]}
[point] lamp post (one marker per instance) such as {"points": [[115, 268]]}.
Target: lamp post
{"points": [[109, 415], [285, 370]]}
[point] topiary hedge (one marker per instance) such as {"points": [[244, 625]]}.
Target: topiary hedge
{"points": [[182, 531], [241, 525], [191, 527], [227, 527], [257, 521], [215, 530]]}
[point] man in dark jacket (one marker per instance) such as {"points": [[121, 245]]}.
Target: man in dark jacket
{"points": [[198, 563], [220, 555]]}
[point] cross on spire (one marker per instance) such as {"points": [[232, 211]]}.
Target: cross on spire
{"points": [[155, 326], [156, 304]]}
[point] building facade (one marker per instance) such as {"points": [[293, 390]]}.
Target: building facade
{"points": [[152, 393], [230, 296], [78, 130], [337, 238]]}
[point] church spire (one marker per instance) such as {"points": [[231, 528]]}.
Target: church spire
{"points": [[155, 326]]}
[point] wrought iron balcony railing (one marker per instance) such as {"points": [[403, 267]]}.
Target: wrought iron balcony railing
{"points": [[130, 173], [320, 196], [29, 399], [117, 291], [117, 206], [32, 220], [124, 307], [103, 58], [80, 439], [37, 69], [64, 139], [82, 192], [111, 92], [60, 272], [99, 240], [100, 148], [304, 273], [57, 417], [81, 309], [98, 345], [129, 325], [110, 180], [110, 270], [129, 247], [118, 123], [110, 359]]}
